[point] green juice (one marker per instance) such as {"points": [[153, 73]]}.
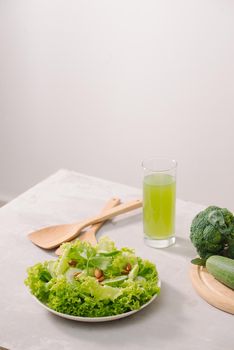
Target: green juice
{"points": [[159, 194]]}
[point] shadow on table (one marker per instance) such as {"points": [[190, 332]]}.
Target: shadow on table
{"points": [[123, 221], [182, 247], [160, 321], [126, 219]]}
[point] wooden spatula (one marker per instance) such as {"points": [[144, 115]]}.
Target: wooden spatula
{"points": [[90, 235], [53, 236]]}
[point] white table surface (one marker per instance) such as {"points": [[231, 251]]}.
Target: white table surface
{"points": [[178, 319]]}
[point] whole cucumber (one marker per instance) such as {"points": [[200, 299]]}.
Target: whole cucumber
{"points": [[222, 269]]}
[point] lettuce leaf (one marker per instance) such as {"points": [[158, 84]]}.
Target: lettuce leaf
{"points": [[105, 245], [36, 283]]}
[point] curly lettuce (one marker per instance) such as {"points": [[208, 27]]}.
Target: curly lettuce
{"points": [[70, 285]]}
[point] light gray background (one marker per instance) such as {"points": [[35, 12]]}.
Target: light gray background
{"points": [[96, 86]]}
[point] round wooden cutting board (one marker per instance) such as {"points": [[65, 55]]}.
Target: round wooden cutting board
{"points": [[214, 292]]}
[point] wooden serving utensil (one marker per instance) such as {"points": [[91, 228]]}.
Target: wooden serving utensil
{"points": [[90, 235], [53, 236]]}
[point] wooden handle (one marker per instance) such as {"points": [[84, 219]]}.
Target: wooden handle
{"points": [[89, 235], [120, 209], [113, 202]]}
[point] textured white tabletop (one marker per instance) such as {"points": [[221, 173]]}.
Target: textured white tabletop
{"points": [[178, 319]]}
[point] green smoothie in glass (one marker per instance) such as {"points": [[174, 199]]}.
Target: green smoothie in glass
{"points": [[159, 198]]}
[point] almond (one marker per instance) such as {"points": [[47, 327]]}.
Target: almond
{"points": [[72, 263], [100, 279], [128, 267], [76, 275], [98, 273]]}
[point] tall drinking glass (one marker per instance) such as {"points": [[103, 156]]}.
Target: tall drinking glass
{"points": [[159, 201]]}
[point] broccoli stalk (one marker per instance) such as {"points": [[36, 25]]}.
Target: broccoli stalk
{"points": [[212, 233]]}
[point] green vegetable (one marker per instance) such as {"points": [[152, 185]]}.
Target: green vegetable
{"points": [[230, 250], [76, 290], [115, 282], [222, 269], [45, 276], [133, 273], [212, 232], [199, 261]]}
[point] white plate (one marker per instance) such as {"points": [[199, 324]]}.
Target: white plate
{"points": [[98, 319]]}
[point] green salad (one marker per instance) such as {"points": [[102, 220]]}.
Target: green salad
{"points": [[94, 281]]}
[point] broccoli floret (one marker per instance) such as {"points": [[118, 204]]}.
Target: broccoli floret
{"points": [[230, 250], [212, 232]]}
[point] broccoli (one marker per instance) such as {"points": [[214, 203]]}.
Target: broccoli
{"points": [[212, 232]]}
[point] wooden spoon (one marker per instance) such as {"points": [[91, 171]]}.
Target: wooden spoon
{"points": [[90, 235], [53, 236]]}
